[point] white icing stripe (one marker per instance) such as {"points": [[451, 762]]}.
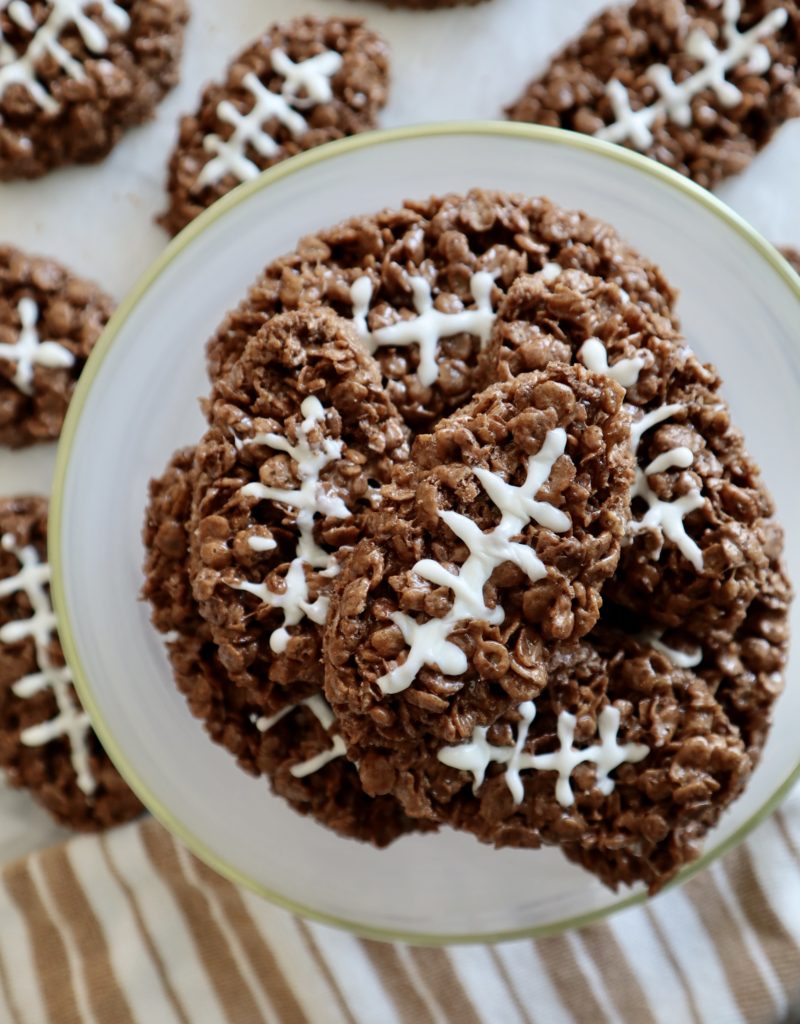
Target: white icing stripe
{"points": [[430, 325], [256, 543], [675, 99], [71, 720], [22, 69], [651, 419], [428, 641], [594, 357], [310, 498], [675, 458], [477, 754], [311, 77], [28, 351], [680, 659], [319, 707], [666, 516]]}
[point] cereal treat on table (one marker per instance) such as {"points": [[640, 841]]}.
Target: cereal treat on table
{"points": [[302, 436], [486, 553], [47, 744], [49, 323], [292, 740], [75, 74], [699, 85], [301, 84], [422, 285]]}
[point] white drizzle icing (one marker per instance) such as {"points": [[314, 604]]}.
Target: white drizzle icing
{"points": [[319, 707], [430, 324], [476, 755], [680, 659], [594, 357], [311, 497], [666, 516], [675, 99], [21, 69], [28, 351], [256, 543], [71, 720], [428, 641], [312, 76]]}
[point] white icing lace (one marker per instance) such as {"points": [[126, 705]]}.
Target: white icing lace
{"points": [[71, 721], [310, 498], [29, 351], [476, 755]]}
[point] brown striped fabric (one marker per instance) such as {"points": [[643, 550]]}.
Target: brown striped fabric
{"points": [[130, 928]]}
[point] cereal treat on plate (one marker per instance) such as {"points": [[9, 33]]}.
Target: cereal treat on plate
{"points": [[623, 760], [75, 74], [486, 553], [702, 564], [47, 744], [698, 546], [422, 285], [302, 436], [49, 323], [699, 85], [301, 84], [292, 740]]}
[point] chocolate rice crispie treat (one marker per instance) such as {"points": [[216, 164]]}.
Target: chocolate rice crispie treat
{"points": [[699, 85], [302, 436], [49, 323], [75, 76], [623, 760], [291, 741], [696, 554], [47, 744], [301, 84], [422, 285], [473, 567]]}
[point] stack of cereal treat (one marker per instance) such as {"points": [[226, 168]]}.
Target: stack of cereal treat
{"points": [[471, 540]]}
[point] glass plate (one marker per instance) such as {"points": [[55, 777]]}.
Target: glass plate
{"points": [[137, 401]]}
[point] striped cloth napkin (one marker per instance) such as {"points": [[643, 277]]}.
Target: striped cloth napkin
{"points": [[129, 927]]}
